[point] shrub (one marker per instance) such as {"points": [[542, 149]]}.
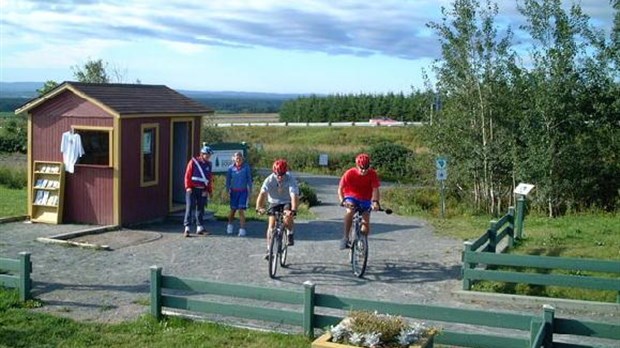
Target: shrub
{"points": [[393, 161], [13, 178], [308, 195]]}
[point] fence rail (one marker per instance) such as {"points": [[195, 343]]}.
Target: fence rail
{"points": [[535, 331], [313, 124], [16, 274], [481, 261]]}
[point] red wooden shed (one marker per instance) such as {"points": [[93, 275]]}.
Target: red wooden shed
{"points": [[136, 138]]}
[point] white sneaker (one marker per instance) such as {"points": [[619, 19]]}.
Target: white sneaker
{"points": [[229, 229], [242, 232]]}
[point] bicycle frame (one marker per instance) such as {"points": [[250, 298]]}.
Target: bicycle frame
{"points": [[278, 249], [359, 245]]}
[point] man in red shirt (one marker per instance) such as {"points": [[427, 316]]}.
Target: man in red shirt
{"points": [[359, 186]]}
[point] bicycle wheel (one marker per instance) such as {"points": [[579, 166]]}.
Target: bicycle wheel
{"points": [[273, 254], [359, 255], [283, 249]]}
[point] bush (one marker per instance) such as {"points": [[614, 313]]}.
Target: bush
{"points": [[13, 178], [308, 195], [13, 134], [395, 162]]}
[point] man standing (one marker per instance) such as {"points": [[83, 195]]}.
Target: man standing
{"points": [[198, 185], [239, 187]]}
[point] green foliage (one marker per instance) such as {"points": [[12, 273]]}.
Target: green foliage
{"points": [[93, 71], [47, 86], [13, 134], [355, 108], [308, 195], [550, 123], [13, 202], [13, 178], [395, 162]]}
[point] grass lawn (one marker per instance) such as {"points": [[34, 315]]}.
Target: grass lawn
{"points": [[13, 202], [20, 327]]}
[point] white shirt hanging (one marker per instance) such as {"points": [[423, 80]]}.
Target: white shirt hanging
{"points": [[72, 150]]}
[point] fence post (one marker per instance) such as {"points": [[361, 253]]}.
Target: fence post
{"points": [[548, 316], [308, 309], [156, 292], [466, 265], [492, 236], [511, 225], [25, 283], [519, 217]]}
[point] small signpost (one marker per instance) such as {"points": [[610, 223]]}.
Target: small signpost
{"points": [[441, 163], [323, 159]]}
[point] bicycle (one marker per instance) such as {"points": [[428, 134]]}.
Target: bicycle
{"points": [[359, 242], [278, 246]]}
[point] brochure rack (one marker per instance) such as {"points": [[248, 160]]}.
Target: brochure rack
{"points": [[47, 192]]}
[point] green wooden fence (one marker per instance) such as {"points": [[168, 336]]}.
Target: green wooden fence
{"points": [[300, 308], [16, 274], [480, 261]]}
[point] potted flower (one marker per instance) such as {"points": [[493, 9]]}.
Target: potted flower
{"points": [[367, 329]]}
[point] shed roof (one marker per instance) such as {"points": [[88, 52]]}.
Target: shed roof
{"points": [[127, 99]]}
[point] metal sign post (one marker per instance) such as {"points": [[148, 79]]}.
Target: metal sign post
{"points": [[442, 174]]}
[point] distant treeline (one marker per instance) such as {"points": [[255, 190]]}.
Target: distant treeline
{"points": [[312, 108], [242, 105], [357, 107]]}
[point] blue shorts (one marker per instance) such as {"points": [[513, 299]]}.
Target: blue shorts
{"points": [[365, 205], [239, 200]]}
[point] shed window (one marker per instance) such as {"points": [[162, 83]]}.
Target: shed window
{"points": [[149, 154], [96, 144]]}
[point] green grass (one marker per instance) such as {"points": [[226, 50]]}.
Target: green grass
{"points": [[13, 202], [21, 327]]}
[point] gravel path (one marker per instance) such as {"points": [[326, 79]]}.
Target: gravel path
{"points": [[408, 263]]}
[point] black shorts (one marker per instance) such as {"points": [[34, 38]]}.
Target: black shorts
{"points": [[278, 207]]}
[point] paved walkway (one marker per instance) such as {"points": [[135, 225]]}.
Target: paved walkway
{"points": [[408, 263]]}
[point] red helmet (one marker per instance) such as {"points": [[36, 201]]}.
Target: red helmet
{"points": [[362, 160], [280, 167]]}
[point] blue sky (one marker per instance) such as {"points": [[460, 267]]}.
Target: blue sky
{"points": [[303, 46]]}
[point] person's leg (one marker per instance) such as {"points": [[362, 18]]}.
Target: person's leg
{"points": [[187, 219], [242, 218], [348, 221], [201, 202], [289, 224], [270, 226], [366, 223], [241, 204]]}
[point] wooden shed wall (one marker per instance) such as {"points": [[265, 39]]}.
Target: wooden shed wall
{"points": [[139, 204], [88, 191]]}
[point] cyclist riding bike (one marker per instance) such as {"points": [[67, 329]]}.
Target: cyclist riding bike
{"points": [[282, 193], [359, 186]]}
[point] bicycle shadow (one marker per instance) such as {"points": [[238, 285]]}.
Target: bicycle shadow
{"points": [[381, 270]]}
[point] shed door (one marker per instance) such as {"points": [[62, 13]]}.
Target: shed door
{"points": [[181, 153]]}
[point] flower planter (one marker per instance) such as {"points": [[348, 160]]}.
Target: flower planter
{"points": [[325, 342]]}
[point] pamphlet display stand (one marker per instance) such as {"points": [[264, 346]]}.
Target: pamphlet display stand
{"points": [[47, 192]]}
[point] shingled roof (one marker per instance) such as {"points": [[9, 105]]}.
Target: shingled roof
{"points": [[128, 99]]}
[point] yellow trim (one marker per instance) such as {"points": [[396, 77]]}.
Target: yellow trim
{"points": [[116, 199], [156, 154], [109, 130], [29, 164], [171, 206]]}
